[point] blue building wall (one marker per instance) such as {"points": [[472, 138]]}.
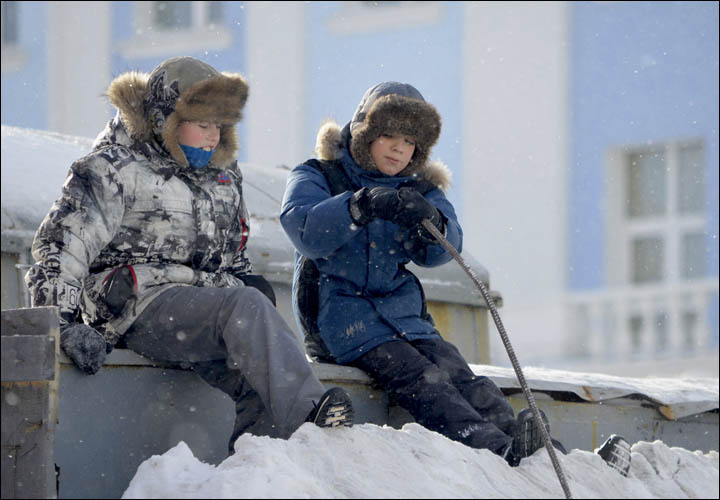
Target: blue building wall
{"points": [[24, 94], [340, 68], [639, 71]]}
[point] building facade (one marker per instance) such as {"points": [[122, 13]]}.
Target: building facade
{"points": [[582, 137]]}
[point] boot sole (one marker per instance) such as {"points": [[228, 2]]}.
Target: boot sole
{"points": [[616, 453], [336, 414]]}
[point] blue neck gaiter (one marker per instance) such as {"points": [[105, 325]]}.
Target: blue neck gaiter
{"points": [[197, 157]]}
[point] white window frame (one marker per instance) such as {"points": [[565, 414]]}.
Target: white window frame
{"points": [[670, 227], [152, 42], [356, 17]]}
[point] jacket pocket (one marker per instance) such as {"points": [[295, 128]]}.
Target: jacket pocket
{"points": [[118, 288]]}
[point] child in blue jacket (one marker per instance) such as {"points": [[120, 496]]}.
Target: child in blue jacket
{"points": [[370, 308]]}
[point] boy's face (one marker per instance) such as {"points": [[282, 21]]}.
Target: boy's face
{"points": [[203, 135], [392, 152]]}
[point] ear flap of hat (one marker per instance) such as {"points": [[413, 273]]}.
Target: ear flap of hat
{"points": [[126, 93]]}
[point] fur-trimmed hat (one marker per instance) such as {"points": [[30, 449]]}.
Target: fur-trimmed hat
{"points": [[393, 107], [181, 89], [329, 147]]}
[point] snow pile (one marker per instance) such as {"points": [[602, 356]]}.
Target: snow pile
{"points": [[368, 461]]}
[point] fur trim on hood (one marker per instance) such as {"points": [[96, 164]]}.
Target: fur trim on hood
{"points": [[328, 146], [181, 89]]}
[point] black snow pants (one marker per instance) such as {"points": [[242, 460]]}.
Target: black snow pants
{"points": [[432, 381]]}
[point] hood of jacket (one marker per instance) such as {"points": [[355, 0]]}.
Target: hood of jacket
{"points": [[152, 106], [332, 143]]}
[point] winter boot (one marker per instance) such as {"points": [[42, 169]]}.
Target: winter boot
{"points": [[526, 437], [334, 410], [616, 453]]}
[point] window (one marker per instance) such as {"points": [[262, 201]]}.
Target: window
{"points": [[359, 17], [169, 28], [689, 327], [659, 294], [10, 35], [185, 15], [646, 184], [169, 15], [657, 214], [647, 259], [13, 56], [691, 180], [215, 13], [693, 255]]}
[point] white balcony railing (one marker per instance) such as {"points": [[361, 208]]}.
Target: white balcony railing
{"points": [[644, 322]]}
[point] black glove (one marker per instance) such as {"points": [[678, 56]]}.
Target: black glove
{"points": [[257, 281], [85, 346], [413, 209], [367, 205]]}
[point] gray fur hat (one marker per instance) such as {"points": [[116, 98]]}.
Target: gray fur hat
{"points": [[393, 107], [181, 89]]}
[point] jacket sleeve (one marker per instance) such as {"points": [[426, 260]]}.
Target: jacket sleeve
{"points": [[316, 222], [79, 225], [434, 254]]}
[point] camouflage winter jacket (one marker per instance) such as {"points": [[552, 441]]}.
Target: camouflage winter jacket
{"points": [[131, 203]]}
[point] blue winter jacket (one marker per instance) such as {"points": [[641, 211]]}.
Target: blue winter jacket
{"points": [[366, 297]]}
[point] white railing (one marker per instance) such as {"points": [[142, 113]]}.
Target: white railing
{"points": [[643, 322]]}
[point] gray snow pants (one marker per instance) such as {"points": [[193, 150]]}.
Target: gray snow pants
{"points": [[237, 342]]}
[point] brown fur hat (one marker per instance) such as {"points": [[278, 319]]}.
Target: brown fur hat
{"points": [[329, 146], [181, 89], [393, 107]]}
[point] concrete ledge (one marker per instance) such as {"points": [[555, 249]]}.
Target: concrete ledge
{"points": [[134, 408], [29, 402], [27, 358], [126, 357], [30, 321]]}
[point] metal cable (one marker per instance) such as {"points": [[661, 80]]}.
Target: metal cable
{"points": [[508, 347]]}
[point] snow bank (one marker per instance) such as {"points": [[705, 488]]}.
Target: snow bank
{"points": [[368, 461]]}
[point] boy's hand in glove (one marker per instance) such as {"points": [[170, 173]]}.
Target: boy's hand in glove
{"points": [[85, 346], [413, 209], [367, 205]]}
